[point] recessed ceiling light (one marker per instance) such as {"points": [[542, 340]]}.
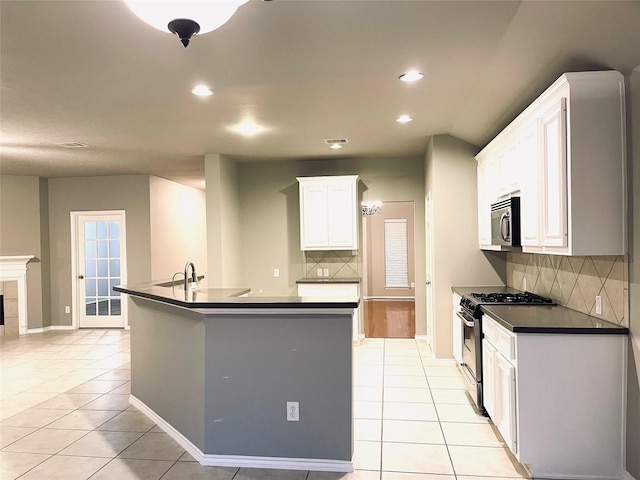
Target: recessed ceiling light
{"points": [[202, 91], [411, 76], [247, 129], [335, 146], [404, 119]]}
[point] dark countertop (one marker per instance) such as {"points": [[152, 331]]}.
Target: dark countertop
{"points": [[227, 297], [540, 318], [467, 290], [549, 319], [329, 280]]}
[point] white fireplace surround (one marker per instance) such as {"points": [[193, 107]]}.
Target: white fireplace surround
{"points": [[15, 268]]}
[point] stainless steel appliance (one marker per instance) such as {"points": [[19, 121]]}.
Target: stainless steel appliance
{"points": [[505, 222], [470, 315]]}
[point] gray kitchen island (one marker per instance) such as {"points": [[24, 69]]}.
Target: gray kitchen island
{"points": [[215, 369]]}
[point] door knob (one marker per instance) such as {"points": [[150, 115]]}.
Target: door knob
{"points": [[80, 277]]}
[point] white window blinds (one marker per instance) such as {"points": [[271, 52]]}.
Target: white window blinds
{"points": [[396, 267]]}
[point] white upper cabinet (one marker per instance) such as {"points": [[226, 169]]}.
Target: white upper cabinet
{"points": [[570, 155], [529, 197], [329, 213]]}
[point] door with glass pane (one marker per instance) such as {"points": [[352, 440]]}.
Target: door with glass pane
{"points": [[100, 266]]}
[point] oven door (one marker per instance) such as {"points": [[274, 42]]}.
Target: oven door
{"points": [[469, 358]]}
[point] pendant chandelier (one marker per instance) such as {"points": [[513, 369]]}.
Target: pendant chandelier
{"points": [[185, 18]]}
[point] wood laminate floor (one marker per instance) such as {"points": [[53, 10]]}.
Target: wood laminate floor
{"points": [[389, 318]]}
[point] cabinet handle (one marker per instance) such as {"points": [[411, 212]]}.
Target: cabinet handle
{"points": [[81, 277]]}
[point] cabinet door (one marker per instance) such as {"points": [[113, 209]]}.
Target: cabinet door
{"points": [[313, 220], [457, 330], [342, 215], [505, 401], [484, 202], [507, 167], [529, 196], [553, 147], [489, 378]]}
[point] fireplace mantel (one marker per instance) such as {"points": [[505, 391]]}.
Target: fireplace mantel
{"points": [[14, 267]]}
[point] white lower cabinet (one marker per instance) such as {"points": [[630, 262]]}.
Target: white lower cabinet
{"points": [[557, 399], [499, 380], [457, 329], [335, 290]]}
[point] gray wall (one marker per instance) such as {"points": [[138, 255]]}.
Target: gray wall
{"points": [[451, 178], [270, 222], [24, 231], [66, 195], [178, 228], [633, 378], [226, 390], [223, 218]]}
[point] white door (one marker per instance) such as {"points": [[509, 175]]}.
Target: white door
{"points": [[428, 222], [100, 264]]}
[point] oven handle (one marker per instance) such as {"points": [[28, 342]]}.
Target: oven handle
{"points": [[468, 323]]}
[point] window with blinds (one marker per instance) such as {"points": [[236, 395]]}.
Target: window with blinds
{"points": [[396, 263]]}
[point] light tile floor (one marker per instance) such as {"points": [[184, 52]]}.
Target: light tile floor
{"points": [[65, 414]]}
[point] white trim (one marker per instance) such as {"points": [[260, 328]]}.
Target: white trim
{"points": [[75, 217], [14, 268], [51, 327], [62, 327], [242, 461], [396, 297]]}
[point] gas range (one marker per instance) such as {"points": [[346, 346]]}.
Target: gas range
{"points": [[471, 332], [471, 303]]}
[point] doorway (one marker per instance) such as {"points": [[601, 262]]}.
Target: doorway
{"points": [[99, 264], [389, 270]]}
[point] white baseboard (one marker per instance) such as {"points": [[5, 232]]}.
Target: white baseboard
{"points": [[240, 461], [421, 338], [49, 328]]}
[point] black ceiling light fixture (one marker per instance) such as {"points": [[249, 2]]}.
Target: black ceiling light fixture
{"points": [[185, 18], [184, 29]]}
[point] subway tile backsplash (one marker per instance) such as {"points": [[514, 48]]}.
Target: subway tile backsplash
{"points": [[574, 281], [338, 263]]}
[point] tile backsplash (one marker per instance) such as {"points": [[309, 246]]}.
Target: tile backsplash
{"points": [[574, 281], [339, 263]]}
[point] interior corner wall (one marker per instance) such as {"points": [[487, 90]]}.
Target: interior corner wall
{"points": [[452, 179], [223, 220], [129, 193], [22, 213], [633, 377], [177, 227], [270, 209]]}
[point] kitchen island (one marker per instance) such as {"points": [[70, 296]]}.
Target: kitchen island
{"points": [[215, 369]]}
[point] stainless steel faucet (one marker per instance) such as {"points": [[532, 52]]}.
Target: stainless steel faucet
{"points": [[194, 278]]}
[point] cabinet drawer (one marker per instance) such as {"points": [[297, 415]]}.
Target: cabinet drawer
{"points": [[502, 339], [505, 342], [489, 329]]}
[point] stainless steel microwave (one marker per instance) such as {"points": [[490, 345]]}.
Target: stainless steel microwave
{"points": [[505, 222]]}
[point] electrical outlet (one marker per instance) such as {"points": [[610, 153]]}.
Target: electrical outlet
{"points": [[326, 272], [276, 272], [319, 272], [598, 305], [293, 412], [67, 309]]}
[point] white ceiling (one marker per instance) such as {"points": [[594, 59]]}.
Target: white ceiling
{"points": [[306, 70]]}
